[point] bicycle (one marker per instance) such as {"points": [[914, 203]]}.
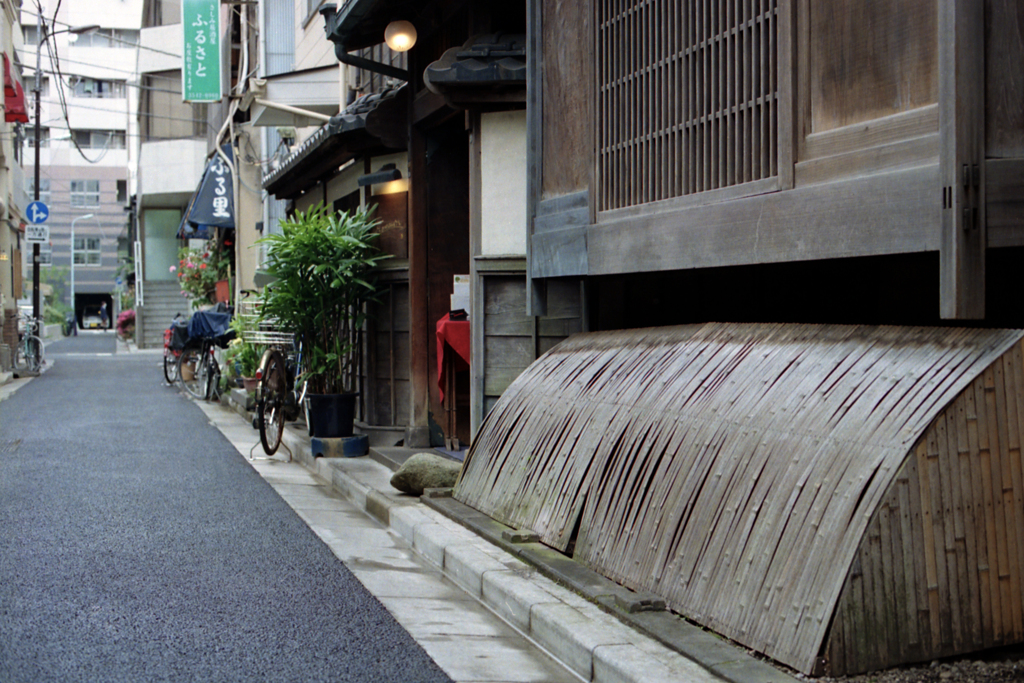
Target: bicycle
{"points": [[175, 339], [197, 368], [28, 356], [277, 399]]}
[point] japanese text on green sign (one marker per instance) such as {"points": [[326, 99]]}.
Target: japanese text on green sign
{"points": [[200, 70]]}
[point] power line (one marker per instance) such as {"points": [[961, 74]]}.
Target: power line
{"points": [[153, 74], [109, 36], [127, 84]]}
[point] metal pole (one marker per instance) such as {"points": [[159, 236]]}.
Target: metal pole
{"points": [[35, 245], [73, 309]]}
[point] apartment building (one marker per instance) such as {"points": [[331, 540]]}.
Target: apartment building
{"points": [[88, 91]]}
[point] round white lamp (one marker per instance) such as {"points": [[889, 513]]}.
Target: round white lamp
{"points": [[400, 35]]}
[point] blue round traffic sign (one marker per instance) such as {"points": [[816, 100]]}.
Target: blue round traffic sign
{"points": [[37, 212]]}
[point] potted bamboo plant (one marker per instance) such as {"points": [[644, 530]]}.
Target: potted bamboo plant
{"points": [[321, 263]]}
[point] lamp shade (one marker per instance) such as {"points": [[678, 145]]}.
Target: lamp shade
{"points": [[400, 35]]}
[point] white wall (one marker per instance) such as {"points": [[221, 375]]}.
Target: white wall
{"points": [[503, 183], [160, 45], [311, 45], [171, 166]]}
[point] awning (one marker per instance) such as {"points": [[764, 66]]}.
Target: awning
{"points": [[14, 96], [213, 204], [373, 123], [487, 70], [314, 90]]}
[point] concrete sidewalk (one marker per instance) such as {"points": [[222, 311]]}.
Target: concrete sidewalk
{"points": [[599, 630]]}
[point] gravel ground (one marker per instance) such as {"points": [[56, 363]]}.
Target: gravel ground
{"points": [[995, 666]]}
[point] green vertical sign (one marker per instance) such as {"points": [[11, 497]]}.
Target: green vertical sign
{"points": [[200, 62]]}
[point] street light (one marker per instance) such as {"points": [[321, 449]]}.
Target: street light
{"points": [[40, 38], [73, 308]]}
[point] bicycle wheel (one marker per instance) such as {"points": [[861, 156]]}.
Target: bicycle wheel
{"points": [[170, 366], [270, 407], [192, 370], [33, 353]]}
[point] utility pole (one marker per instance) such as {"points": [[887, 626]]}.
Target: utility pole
{"points": [[35, 189]]}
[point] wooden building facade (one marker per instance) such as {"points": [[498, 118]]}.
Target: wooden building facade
{"points": [[461, 213], [785, 144]]}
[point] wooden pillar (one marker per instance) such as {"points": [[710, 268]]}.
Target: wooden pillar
{"points": [[536, 299], [418, 432], [962, 158], [476, 314]]}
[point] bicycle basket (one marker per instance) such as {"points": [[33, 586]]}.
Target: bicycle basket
{"points": [[178, 332]]}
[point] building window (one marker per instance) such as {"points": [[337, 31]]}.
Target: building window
{"points": [[99, 139], [30, 35], [96, 88], [85, 194], [44, 189], [313, 5], [692, 111], [87, 251], [30, 136], [122, 191], [111, 37]]}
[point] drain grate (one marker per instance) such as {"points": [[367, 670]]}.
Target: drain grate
{"points": [[9, 447]]}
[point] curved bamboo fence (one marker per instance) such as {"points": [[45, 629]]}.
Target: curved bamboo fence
{"points": [[840, 498]]}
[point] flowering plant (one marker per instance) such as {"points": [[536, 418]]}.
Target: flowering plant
{"points": [[199, 270], [126, 323]]}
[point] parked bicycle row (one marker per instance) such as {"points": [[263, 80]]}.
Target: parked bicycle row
{"points": [[195, 347]]}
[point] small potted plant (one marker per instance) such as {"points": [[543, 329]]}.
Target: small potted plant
{"points": [[321, 263], [242, 357]]}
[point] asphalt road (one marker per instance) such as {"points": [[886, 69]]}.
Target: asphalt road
{"points": [[136, 544]]}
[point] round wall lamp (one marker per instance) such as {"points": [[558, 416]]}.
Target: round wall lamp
{"points": [[400, 35]]}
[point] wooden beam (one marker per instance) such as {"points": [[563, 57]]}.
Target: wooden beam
{"points": [[536, 301], [888, 213], [962, 127]]}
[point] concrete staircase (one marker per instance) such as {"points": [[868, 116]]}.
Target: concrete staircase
{"points": [[163, 300]]}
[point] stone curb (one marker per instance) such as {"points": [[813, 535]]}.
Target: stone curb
{"points": [[524, 583]]}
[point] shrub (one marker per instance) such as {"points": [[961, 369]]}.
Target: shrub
{"points": [[126, 323]]}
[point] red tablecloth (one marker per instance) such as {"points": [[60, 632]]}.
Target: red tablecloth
{"points": [[454, 334]]}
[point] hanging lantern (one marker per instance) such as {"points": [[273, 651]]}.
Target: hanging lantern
{"points": [[400, 35]]}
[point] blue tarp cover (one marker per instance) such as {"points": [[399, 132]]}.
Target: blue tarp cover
{"points": [[208, 324]]}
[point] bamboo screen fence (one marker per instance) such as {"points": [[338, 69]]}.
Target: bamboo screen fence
{"points": [[687, 97], [828, 495]]}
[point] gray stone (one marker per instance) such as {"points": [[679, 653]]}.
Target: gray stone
{"points": [[425, 471]]}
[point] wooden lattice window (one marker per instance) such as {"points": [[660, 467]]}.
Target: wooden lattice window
{"points": [[687, 97]]}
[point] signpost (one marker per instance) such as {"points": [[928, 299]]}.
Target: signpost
{"points": [[37, 233], [201, 56], [37, 212]]}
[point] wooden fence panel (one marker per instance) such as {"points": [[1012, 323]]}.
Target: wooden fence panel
{"points": [[772, 481]]}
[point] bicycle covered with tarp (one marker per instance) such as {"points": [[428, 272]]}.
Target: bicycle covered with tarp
{"points": [[197, 367]]}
